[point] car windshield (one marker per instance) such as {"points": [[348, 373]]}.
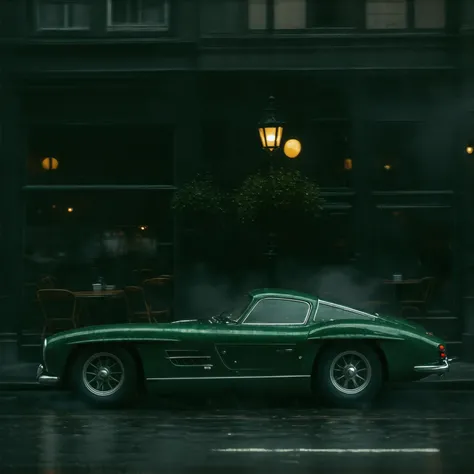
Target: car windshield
{"points": [[238, 308]]}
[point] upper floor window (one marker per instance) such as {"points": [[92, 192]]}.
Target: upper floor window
{"points": [[379, 14], [301, 14], [402, 14], [62, 15], [137, 14]]}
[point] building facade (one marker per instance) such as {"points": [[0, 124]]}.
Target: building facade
{"points": [[109, 106]]}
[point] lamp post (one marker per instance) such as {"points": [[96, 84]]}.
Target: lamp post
{"points": [[270, 130]]}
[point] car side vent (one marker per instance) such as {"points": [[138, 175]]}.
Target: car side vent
{"points": [[188, 358]]}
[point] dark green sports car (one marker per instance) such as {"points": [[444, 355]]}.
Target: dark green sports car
{"points": [[278, 342]]}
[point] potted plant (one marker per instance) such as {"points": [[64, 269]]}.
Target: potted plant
{"points": [[278, 199]]}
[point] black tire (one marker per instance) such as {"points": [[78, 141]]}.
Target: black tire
{"points": [[336, 386], [116, 388]]}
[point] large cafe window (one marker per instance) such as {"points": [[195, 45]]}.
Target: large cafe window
{"points": [[97, 210], [328, 155], [413, 244], [409, 156]]}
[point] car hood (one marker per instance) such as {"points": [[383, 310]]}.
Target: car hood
{"points": [[173, 331]]}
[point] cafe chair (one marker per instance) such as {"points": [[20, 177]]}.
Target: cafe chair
{"points": [[142, 274], [61, 310], [46, 282], [137, 306], [419, 302], [158, 295]]}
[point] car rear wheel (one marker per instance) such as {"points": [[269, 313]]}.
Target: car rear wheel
{"points": [[105, 376], [349, 374]]}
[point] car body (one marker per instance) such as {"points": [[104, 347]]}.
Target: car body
{"points": [[277, 340]]}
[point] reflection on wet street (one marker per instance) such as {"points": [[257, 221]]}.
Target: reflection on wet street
{"points": [[49, 432]]}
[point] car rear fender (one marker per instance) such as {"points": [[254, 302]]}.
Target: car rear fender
{"points": [[372, 342]]}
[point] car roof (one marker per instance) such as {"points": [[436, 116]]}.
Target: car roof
{"points": [[283, 293]]}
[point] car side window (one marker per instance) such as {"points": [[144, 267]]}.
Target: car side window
{"points": [[278, 311], [328, 312]]}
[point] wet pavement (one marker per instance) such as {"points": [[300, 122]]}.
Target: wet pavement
{"points": [[49, 432]]}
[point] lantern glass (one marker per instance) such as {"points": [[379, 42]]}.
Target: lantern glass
{"points": [[271, 137], [270, 128]]}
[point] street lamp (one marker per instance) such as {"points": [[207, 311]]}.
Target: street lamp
{"points": [[270, 128]]}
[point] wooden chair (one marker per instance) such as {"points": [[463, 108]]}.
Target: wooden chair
{"points": [[142, 274], [46, 282], [60, 308], [137, 305], [158, 296], [419, 303]]}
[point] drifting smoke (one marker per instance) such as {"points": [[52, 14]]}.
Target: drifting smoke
{"points": [[208, 292]]}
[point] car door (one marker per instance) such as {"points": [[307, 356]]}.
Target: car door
{"points": [[269, 341]]}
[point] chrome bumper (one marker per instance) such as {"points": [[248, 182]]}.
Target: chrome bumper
{"points": [[44, 379], [440, 368]]}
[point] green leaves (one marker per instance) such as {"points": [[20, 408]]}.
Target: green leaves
{"points": [[276, 194], [263, 198], [200, 196]]}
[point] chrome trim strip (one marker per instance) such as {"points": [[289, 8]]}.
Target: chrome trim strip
{"points": [[434, 368], [124, 339], [45, 343], [188, 357], [278, 324], [246, 377]]}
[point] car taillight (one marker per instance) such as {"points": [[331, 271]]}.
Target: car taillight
{"points": [[442, 351]]}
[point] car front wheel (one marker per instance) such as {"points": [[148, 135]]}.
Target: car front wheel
{"points": [[105, 376], [348, 375]]}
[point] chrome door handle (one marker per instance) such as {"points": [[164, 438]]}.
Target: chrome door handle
{"points": [[285, 351]]}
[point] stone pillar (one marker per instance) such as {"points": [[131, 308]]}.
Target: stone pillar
{"points": [[466, 191], [12, 166], [187, 159]]}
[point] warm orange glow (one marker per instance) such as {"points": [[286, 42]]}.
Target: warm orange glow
{"points": [[54, 206], [387, 167], [70, 209], [292, 148], [143, 227], [50, 164], [441, 348], [348, 164], [270, 137], [469, 150]]}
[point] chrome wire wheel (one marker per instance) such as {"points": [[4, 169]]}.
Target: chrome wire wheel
{"points": [[103, 374], [350, 372]]}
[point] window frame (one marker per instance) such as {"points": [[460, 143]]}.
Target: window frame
{"points": [[66, 7], [342, 308], [110, 27], [360, 22], [293, 300], [410, 6]]}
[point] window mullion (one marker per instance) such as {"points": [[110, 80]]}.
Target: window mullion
{"points": [[410, 14], [270, 15], [66, 22]]}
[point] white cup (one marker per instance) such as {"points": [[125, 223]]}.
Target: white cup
{"points": [[96, 286]]}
